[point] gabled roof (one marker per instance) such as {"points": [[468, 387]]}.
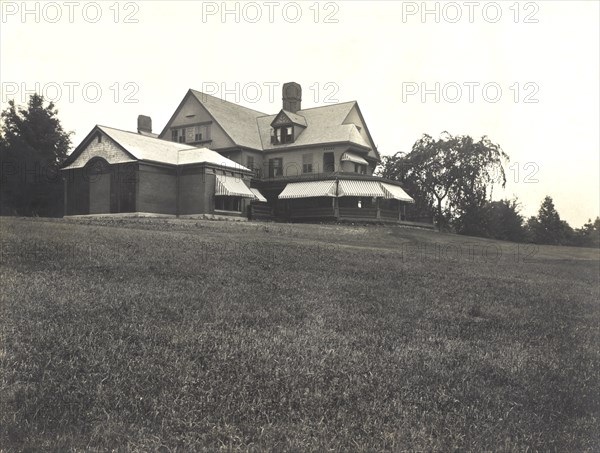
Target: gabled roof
{"points": [[250, 128], [323, 125], [285, 116], [145, 148], [237, 121]]}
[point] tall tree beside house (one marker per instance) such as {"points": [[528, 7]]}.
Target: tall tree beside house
{"points": [[455, 174], [33, 144], [395, 168]]}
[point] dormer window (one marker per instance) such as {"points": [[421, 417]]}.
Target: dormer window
{"points": [[283, 134]]}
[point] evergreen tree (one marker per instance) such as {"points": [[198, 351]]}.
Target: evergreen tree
{"points": [[547, 227], [33, 144]]}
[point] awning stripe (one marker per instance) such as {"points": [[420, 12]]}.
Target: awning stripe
{"points": [[233, 187], [308, 189], [353, 188], [396, 192], [259, 196], [354, 158]]}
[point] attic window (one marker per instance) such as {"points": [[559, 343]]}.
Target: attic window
{"points": [[99, 138], [178, 135], [283, 134]]}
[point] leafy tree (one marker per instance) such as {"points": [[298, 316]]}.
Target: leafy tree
{"points": [[394, 168], [589, 234], [504, 221], [454, 174], [547, 227], [33, 144]]}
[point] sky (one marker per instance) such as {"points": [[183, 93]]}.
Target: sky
{"points": [[526, 74]]}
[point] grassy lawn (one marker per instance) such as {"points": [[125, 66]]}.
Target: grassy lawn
{"points": [[205, 336]]}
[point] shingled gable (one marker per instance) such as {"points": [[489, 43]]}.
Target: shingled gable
{"points": [[138, 147], [285, 118], [237, 122]]}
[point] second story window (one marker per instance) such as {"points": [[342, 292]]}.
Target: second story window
{"points": [[359, 168], [281, 135], [275, 167], [307, 163]]}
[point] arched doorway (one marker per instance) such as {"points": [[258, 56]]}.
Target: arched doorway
{"points": [[98, 174]]}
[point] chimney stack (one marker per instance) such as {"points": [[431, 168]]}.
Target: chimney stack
{"points": [[292, 97], [144, 124]]}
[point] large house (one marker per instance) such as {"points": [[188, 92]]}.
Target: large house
{"points": [[216, 157]]}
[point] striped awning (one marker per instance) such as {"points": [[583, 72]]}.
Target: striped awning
{"points": [[396, 192], [353, 188], [233, 187], [354, 158], [308, 189], [259, 196]]}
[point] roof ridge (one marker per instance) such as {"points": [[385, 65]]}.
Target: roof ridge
{"points": [[137, 134], [328, 105], [196, 93]]}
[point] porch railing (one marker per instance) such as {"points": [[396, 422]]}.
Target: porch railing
{"points": [[298, 213], [359, 213]]}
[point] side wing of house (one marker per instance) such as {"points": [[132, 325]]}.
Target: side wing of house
{"points": [[100, 177]]}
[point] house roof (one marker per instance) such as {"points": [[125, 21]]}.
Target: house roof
{"points": [[145, 148], [237, 121], [323, 125], [252, 129]]}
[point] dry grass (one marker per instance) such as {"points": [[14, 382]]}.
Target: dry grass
{"points": [[196, 335]]}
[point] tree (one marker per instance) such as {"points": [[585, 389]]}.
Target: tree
{"points": [[394, 168], [33, 144], [504, 221], [589, 234], [455, 174], [547, 227]]}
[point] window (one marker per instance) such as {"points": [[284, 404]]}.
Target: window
{"points": [[193, 134], [99, 138], [275, 167], [178, 135], [201, 133], [307, 163], [281, 135], [250, 162], [328, 163], [225, 203], [360, 168]]}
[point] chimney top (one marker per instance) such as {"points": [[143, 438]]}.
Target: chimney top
{"points": [[144, 124], [292, 97]]}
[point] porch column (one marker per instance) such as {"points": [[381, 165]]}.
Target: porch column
{"points": [[378, 216], [336, 208]]}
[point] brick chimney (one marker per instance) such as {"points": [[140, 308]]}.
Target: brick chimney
{"points": [[144, 124], [292, 97]]}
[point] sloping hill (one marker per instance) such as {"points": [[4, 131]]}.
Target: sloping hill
{"points": [[148, 334]]}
